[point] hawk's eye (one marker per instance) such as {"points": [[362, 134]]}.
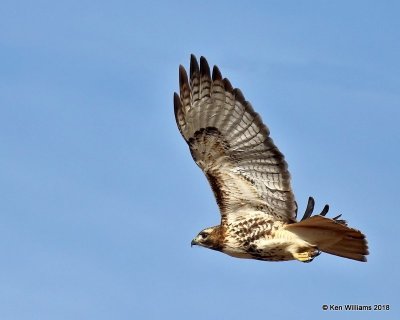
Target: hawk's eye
{"points": [[203, 235]]}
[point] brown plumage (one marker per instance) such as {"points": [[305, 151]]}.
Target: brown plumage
{"points": [[250, 179]]}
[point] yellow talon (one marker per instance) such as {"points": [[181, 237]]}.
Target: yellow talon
{"points": [[302, 256], [306, 256]]}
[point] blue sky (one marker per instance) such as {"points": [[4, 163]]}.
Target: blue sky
{"points": [[99, 196]]}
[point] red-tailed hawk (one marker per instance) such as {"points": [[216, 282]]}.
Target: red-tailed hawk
{"points": [[250, 179]]}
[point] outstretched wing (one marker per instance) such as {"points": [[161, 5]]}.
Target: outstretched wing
{"points": [[229, 142]]}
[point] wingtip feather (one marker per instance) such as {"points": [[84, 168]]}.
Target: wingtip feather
{"points": [[239, 95], [204, 67], [194, 65], [177, 103], [216, 74], [228, 85], [183, 78]]}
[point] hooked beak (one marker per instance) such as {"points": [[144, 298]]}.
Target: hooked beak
{"points": [[193, 243]]}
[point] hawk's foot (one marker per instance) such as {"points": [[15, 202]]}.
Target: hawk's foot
{"points": [[306, 256]]}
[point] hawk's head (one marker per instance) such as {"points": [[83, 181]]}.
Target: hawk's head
{"points": [[211, 238]]}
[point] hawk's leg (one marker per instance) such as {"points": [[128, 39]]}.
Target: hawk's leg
{"points": [[306, 256]]}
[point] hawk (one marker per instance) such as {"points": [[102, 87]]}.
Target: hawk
{"points": [[250, 178]]}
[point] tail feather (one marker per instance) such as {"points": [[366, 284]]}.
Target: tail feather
{"points": [[332, 237]]}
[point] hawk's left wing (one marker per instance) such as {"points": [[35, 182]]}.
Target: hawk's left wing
{"points": [[230, 143]]}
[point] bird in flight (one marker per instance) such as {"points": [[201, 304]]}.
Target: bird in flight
{"points": [[250, 179]]}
